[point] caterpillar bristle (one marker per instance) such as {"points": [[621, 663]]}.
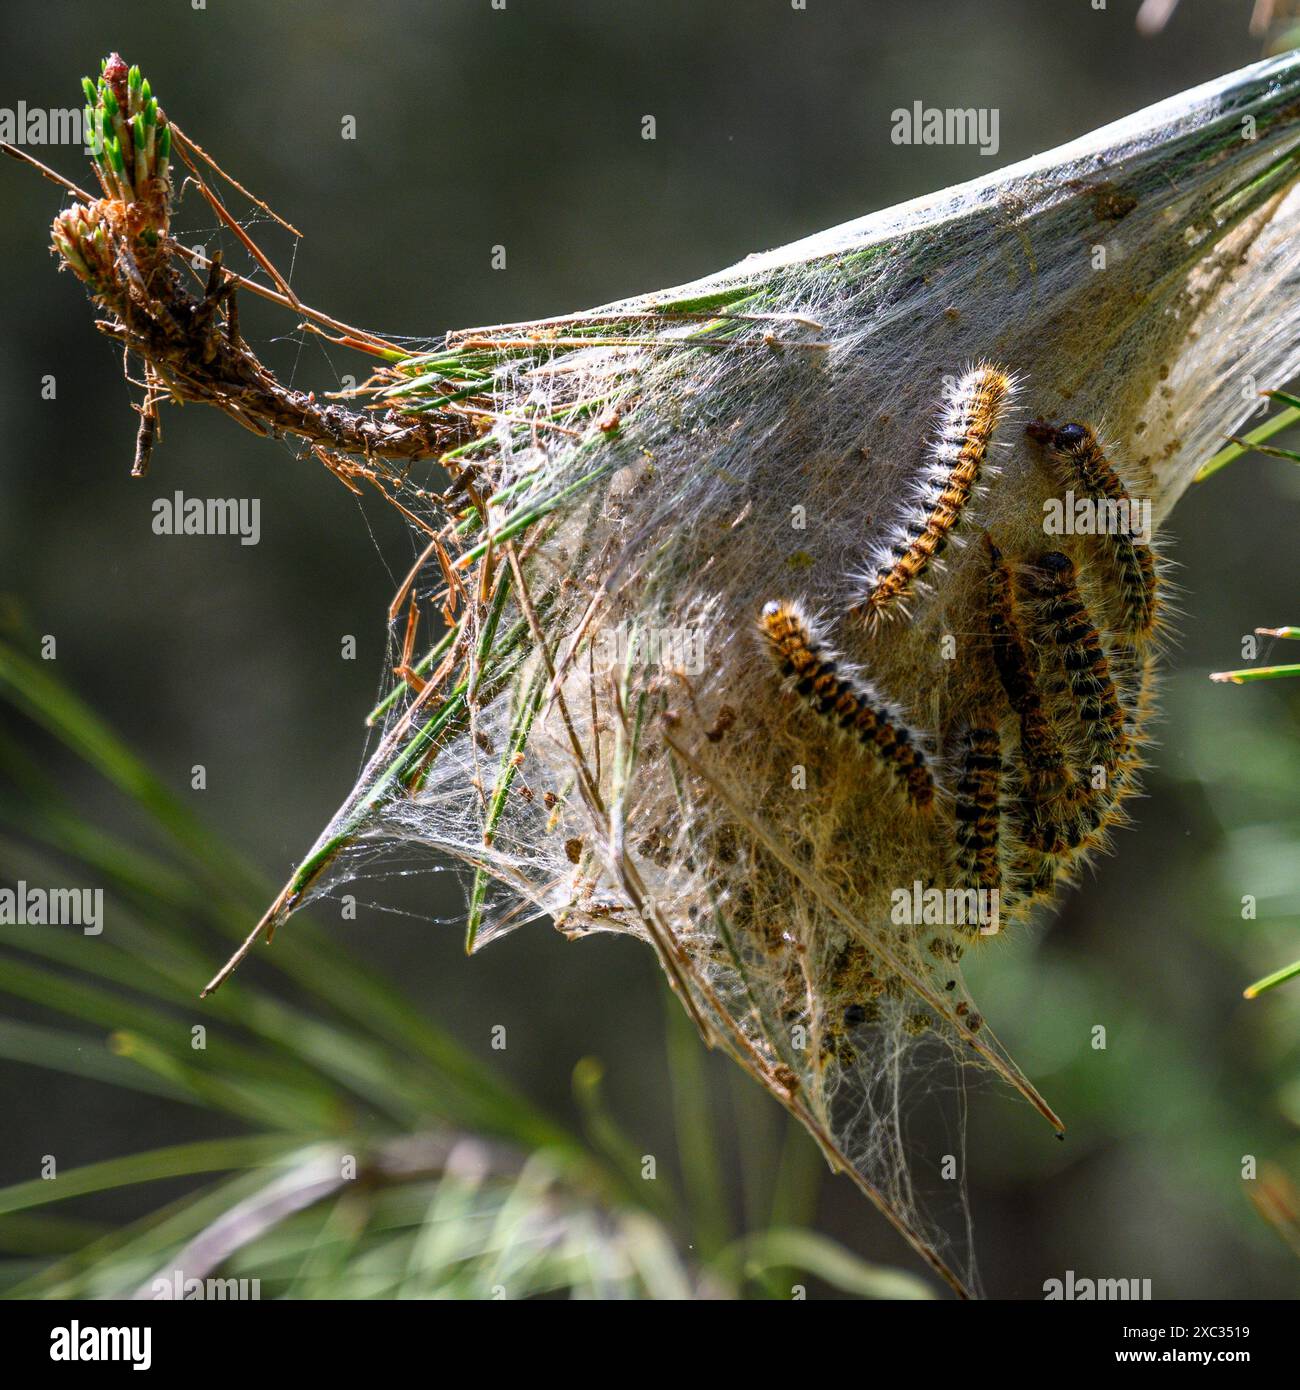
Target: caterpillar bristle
{"points": [[1029, 878], [972, 410], [845, 699]]}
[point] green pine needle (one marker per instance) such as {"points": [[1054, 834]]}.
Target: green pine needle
{"points": [[1278, 977], [1256, 673], [1251, 443]]}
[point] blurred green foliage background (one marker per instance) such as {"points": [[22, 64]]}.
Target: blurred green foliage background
{"points": [[478, 127]]}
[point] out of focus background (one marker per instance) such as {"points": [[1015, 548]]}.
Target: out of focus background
{"points": [[520, 126]]}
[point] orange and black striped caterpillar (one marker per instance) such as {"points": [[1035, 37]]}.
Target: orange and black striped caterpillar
{"points": [[977, 809], [1061, 618], [842, 697], [1051, 811], [973, 408], [1083, 461]]}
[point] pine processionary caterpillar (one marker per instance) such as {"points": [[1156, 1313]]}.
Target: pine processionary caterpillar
{"points": [[1048, 816], [971, 412], [1134, 675], [1077, 446], [1015, 667], [1061, 617], [977, 810], [845, 699]]}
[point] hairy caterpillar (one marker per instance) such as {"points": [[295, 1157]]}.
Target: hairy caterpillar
{"points": [[845, 699], [1049, 808], [1077, 447], [971, 411], [1134, 674], [1061, 618], [977, 810]]}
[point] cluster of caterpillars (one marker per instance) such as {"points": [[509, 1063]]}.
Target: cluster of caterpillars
{"points": [[1057, 700]]}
